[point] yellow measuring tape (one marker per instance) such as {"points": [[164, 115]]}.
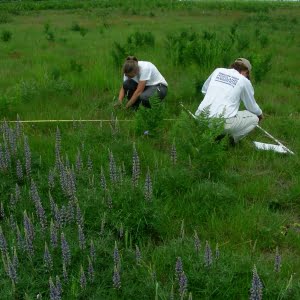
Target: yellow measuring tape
{"points": [[66, 121]]}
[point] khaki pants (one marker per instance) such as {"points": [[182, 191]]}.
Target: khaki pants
{"points": [[240, 125]]}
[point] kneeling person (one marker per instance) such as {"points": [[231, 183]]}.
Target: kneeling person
{"points": [[224, 90], [141, 81]]}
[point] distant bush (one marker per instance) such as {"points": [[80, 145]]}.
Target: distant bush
{"points": [[188, 47], [261, 65], [243, 42], [48, 33], [76, 67], [134, 41], [78, 28], [4, 18], [6, 35], [264, 41]]}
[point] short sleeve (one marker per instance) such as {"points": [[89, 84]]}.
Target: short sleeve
{"points": [[145, 74]]}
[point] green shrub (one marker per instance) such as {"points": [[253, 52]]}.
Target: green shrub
{"points": [[149, 121], [261, 65], [6, 35], [4, 18], [196, 141], [76, 67]]}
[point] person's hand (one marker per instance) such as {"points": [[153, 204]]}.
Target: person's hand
{"points": [[118, 104], [260, 117]]}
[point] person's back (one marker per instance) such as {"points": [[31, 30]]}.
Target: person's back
{"points": [[224, 90]]}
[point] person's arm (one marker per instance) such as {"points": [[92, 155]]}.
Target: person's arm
{"points": [[121, 94], [248, 99], [140, 88]]}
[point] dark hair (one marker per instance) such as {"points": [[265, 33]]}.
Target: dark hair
{"points": [[239, 66], [130, 65]]}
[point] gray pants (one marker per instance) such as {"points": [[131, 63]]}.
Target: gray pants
{"points": [[240, 125], [158, 90]]}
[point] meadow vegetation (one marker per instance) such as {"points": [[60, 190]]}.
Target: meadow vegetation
{"points": [[145, 205]]}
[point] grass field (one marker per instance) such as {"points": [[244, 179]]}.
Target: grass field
{"points": [[101, 210]]}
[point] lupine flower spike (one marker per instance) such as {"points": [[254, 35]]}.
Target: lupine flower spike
{"points": [[256, 290], [197, 242], [135, 167], [277, 262], [207, 255]]}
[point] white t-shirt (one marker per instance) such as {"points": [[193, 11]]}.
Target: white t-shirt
{"points": [[149, 73], [224, 90]]}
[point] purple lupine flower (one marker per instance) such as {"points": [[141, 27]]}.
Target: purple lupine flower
{"points": [[53, 291], [178, 267], [256, 290], [47, 258], [138, 255], [15, 260], [116, 278], [53, 235], [89, 163], [91, 272], [112, 168], [182, 284], [102, 180], [20, 241], [58, 288], [63, 216], [70, 211], [3, 243], [57, 148], [63, 178], [65, 273], [207, 255], [51, 180], [121, 231], [12, 223], [92, 251], [7, 155], [2, 212], [135, 167], [18, 127], [27, 157], [116, 255], [12, 202], [17, 193], [52, 205], [79, 217], [12, 139], [197, 242], [29, 244], [123, 169], [148, 187], [82, 278], [19, 170], [57, 217], [109, 200], [42, 216], [67, 163], [28, 227], [277, 261], [173, 154], [65, 249], [78, 164], [217, 252], [102, 225], [3, 165], [81, 237], [11, 271], [114, 126]]}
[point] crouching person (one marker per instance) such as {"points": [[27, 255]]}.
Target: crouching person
{"points": [[224, 90], [141, 81]]}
